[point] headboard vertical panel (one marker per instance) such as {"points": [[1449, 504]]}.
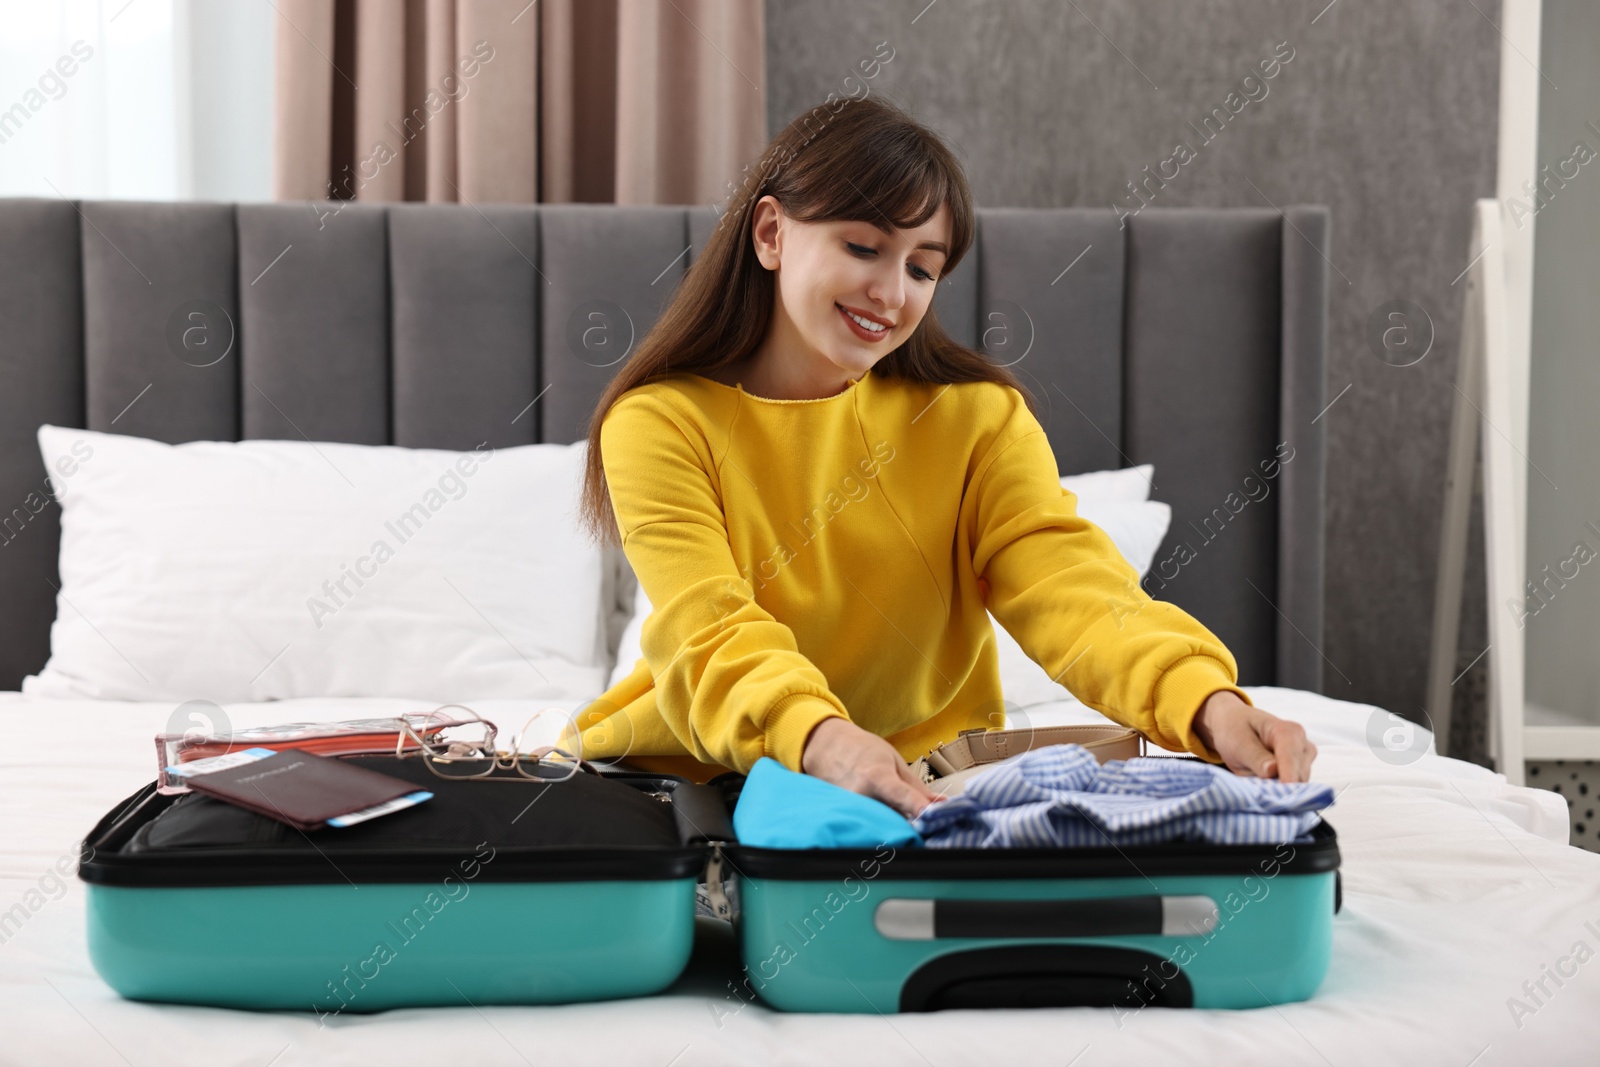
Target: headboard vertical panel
{"points": [[1303, 481], [606, 273], [1050, 295], [1203, 363], [462, 282], [955, 300], [314, 293], [41, 380], [158, 285], [703, 221]]}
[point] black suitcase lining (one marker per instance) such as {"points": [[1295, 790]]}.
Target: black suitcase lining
{"points": [[571, 828]]}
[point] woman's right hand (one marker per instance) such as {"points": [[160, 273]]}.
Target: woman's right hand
{"points": [[841, 752]]}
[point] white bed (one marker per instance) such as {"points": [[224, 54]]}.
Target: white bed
{"points": [[1458, 888]]}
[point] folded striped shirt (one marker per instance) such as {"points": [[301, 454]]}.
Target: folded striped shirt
{"points": [[1060, 795]]}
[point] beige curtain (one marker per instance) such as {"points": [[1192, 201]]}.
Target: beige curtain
{"points": [[600, 101]]}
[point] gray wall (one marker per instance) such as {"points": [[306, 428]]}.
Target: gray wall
{"points": [[1386, 113], [1563, 633]]}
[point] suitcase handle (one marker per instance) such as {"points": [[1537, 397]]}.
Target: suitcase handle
{"points": [[907, 919]]}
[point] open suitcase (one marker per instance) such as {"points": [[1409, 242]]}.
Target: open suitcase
{"points": [[508, 891]]}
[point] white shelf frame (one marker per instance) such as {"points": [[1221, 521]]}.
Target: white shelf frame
{"points": [[1492, 405]]}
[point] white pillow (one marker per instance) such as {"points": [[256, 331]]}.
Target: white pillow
{"points": [[1128, 483], [266, 570], [1137, 528]]}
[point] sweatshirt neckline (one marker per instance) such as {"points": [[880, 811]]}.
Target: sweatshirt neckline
{"points": [[850, 388]]}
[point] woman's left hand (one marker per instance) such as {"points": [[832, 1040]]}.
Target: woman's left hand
{"points": [[1253, 742]]}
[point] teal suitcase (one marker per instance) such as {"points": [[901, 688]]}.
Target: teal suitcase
{"points": [[1182, 925]]}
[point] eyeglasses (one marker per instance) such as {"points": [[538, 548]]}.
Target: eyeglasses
{"points": [[478, 757]]}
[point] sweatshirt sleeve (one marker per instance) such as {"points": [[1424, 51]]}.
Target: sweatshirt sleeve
{"points": [[731, 682], [1059, 586]]}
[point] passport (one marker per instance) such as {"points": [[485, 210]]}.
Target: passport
{"points": [[305, 790]]}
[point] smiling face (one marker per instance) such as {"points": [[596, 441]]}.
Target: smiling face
{"points": [[847, 294]]}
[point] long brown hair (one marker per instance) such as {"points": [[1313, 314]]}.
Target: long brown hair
{"points": [[863, 160]]}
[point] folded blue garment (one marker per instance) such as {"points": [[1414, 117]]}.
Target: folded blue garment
{"points": [[1061, 795], [780, 808]]}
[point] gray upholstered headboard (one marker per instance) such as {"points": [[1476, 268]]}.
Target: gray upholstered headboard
{"points": [[1189, 338]]}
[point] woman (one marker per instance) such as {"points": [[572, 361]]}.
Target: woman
{"points": [[821, 492]]}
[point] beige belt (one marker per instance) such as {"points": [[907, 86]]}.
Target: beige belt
{"points": [[947, 768]]}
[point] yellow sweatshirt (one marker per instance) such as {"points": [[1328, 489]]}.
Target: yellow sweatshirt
{"points": [[834, 557]]}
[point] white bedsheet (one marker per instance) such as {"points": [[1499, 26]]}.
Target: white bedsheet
{"points": [[1458, 889]]}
